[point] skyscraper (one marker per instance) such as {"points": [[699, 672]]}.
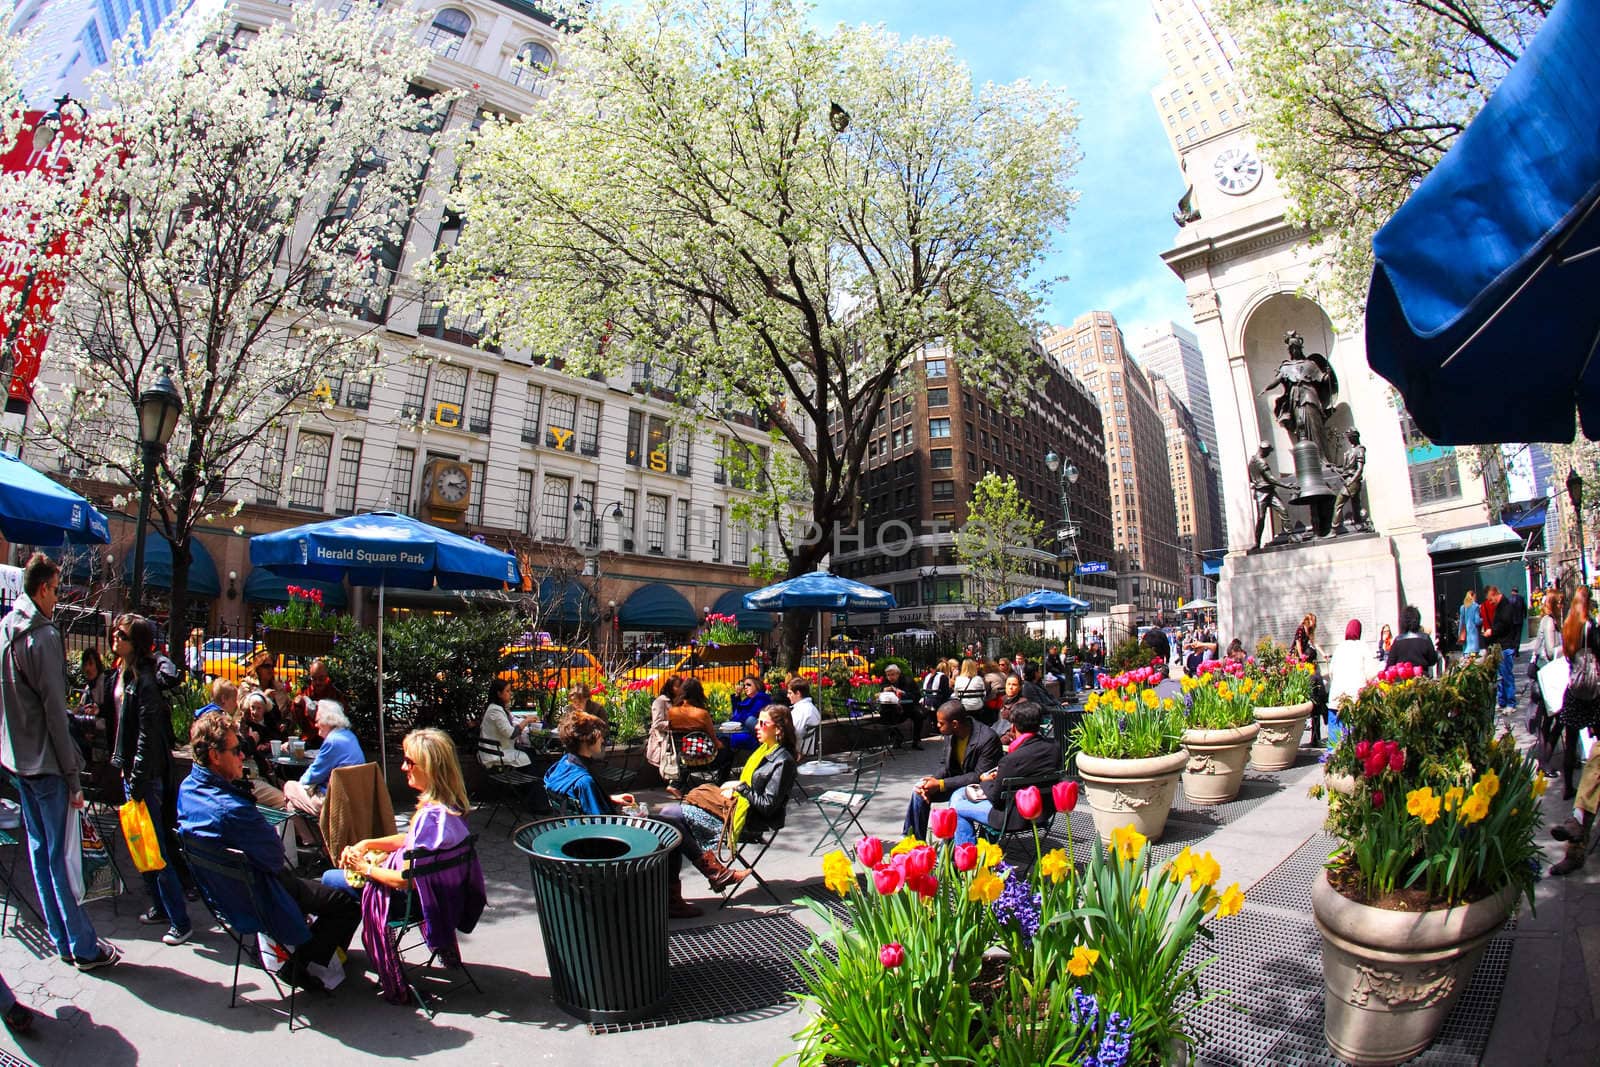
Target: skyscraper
{"points": [[1201, 95], [1191, 482], [1173, 353]]}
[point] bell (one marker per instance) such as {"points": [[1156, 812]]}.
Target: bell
{"points": [[1316, 481]]}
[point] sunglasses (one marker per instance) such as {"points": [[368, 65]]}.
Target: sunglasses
{"points": [[407, 761], [122, 635]]}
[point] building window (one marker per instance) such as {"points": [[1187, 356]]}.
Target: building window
{"points": [[475, 506], [944, 491], [401, 474], [716, 534], [344, 490], [941, 458], [274, 451], [589, 429], [685, 450], [557, 508], [531, 412], [561, 430], [533, 64], [936, 368], [449, 395], [524, 501], [1435, 480], [310, 479], [448, 31], [658, 444], [636, 438], [357, 392], [416, 391], [938, 398], [938, 427], [482, 401], [683, 529], [655, 523], [741, 543], [630, 517], [589, 524]]}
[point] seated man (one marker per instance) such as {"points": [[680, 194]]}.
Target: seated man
{"points": [[971, 749], [807, 719], [1029, 755], [909, 697], [339, 749], [317, 688], [213, 806]]}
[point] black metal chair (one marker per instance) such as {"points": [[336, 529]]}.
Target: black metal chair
{"points": [[503, 787], [420, 863], [211, 860], [739, 860], [1009, 788], [563, 803]]}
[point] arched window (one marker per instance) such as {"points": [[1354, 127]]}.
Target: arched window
{"points": [[533, 62], [448, 30]]}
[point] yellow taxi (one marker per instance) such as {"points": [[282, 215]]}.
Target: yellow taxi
{"points": [[722, 665], [549, 667], [826, 661], [220, 656]]}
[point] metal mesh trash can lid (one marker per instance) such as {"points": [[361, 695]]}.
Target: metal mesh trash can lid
{"points": [[581, 842]]}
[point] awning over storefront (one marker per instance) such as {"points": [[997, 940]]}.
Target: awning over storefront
{"points": [[203, 581], [565, 602], [264, 587], [656, 607], [732, 603], [1481, 540], [1529, 515]]}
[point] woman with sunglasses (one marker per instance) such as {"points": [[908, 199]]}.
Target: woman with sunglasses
{"points": [[143, 753]]}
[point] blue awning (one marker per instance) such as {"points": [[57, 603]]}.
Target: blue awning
{"points": [[565, 603], [656, 607], [1476, 312], [732, 603], [264, 587], [203, 579], [1529, 516]]}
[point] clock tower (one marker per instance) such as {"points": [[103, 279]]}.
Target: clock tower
{"points": [[1248, 271]]}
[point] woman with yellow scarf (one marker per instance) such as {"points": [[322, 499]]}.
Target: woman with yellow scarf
{"points": [[757, 801]]}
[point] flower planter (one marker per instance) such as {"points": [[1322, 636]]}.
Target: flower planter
{"points": [[1391, 977], [1215, 768], [1136, 791], [1278, 743], [304, 643]]}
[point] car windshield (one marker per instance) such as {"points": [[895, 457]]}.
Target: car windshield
{"points": [[227, 646]]}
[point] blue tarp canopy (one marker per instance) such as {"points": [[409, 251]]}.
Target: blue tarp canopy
{"points": [[564, 602], [1044, 600], [819, 589], [203, 579], [732, 603], [264, 587], [382, 548], [656, 607], [35, 510], [1527, 516], [1477, 311]]}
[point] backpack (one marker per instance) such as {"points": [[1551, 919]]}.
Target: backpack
{"points": [[972, 692]]}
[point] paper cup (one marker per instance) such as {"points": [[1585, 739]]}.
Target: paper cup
{"points": [[277, 749]]}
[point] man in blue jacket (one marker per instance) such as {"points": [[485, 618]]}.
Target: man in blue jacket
{"points": [[214, 804]]}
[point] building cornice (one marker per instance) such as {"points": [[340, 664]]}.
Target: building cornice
{"points": [[1208, 252]]}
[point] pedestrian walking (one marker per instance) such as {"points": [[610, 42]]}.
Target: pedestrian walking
{"points": [[36, 747]]}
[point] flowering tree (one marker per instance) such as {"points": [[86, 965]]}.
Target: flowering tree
{"points": [[231, 206], [784, 217], [999, 532], [1354, 102]]}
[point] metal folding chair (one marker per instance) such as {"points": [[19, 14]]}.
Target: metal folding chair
{"points": [[842, 808], [16, 842], [505, 786], [740, 860], [420, 863]]}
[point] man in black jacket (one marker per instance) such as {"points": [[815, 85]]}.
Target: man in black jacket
{"points": [[1506, 631], [971, 748], [1030, 756]]}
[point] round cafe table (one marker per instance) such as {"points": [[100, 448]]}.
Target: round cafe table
{"points": [[291, 767]]}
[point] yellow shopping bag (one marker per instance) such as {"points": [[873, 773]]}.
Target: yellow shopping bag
{"points": [[140, 832]]}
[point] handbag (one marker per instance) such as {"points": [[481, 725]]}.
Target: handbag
{"points": [[140, 831], [710, 798], [1580, 705], [697, 749]]}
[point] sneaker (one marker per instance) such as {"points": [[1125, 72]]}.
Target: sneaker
{"points": [[154, 917], [175, 936], [107, 956]]}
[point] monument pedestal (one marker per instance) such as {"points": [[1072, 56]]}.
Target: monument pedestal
{"points": [[1265, 592]]}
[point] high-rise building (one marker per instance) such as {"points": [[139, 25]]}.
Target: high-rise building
{"points": [[936, 437], [1169, 351], [68, 39], [1200, 96], [1192, 483], [1144, 521]]}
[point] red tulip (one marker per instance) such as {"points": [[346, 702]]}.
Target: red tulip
{"points": [[1362, 748], [892, 955], [1065, 794], [886, 880], [919, 861], [966, 857], [925, 886], [869, 850], [942, 823], [1377, 798], [1373, 765], [1029, 802], [1397, 761]]}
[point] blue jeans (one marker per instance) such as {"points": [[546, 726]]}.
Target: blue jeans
{"points": [[164, 886], [44, 813], [1506, 690], [969, 813]]}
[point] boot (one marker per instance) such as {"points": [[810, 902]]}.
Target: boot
{"points": [[1571, 830], [1572, 861], [717, 872], [677, 907]]}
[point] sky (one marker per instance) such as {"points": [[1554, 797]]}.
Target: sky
{"points": [[1103, 52]]}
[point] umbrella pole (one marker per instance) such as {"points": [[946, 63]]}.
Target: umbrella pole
{"points": [[383, 745]]}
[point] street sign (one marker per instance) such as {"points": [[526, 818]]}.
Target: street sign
{"points": [[1093, 568]]}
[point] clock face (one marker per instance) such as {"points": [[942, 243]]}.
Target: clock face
{"points": [[451, 485], [1236, 171]]}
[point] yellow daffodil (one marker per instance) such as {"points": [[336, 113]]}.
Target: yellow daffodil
{"points": [[1053, 865], [906, 845], [1182, 865], [1127, 842], [1207, 872], [838, 873], [985, 887], [1489, 784], [1453, 797], [1150, 698], [1082, 961], [1540, 784], [1232, 901], [1209, 900], [1224, 692], [1142, 897], [1474, 808], [1418, 799], [989, 854]]}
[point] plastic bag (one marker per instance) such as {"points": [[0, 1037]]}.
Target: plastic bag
{"points": [[100, 879], [72, 846], [140, 831]]}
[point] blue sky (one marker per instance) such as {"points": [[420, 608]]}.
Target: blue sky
{"points": [[1103, 53]]}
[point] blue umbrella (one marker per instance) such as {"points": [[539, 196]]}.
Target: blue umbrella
{"points": [[383, 549], [1050, 600], [819, 589], [1476, 312], [37, 511]]}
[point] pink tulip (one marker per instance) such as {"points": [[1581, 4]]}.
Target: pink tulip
{"points": [[919, 861], [892, 955], [1065, 794], [1029, 802], [886, 880], [1397, 761], [869, 850], [942, 823], [966, 857], [1362, 748]]}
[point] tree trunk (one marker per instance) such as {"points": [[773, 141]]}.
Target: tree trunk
{"points": [[178, 605], [798, 623]]}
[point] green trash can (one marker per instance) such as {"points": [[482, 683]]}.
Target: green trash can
{"points": [[601, 885]]}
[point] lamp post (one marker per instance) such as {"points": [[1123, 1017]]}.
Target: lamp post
{"points": [[1575, 494], [1067, 533], [159, 408]]}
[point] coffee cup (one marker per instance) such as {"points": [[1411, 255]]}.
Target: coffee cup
{"points": [[277, 749]]}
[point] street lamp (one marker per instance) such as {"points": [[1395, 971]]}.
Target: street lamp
{"points": [[1575, 494], [1067, 535], [159, 408]]}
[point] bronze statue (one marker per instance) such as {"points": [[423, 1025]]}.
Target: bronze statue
{"points": [[1264, 485], [1353, 472], [1309, 385]]}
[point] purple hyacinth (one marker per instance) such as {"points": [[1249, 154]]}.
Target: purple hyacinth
{"points": [[1085, 1009], [1019, 906], [1114, 1045]]}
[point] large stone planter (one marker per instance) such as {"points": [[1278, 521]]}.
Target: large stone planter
{"points": [[1391, 977], [1216, 762], [1136, 791], [1278, 743]]}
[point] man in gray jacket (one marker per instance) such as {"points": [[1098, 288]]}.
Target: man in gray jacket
{"points": [[36, 747]]}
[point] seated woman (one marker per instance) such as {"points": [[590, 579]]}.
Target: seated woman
{"points": [[748, 700], [499, 728], [584, 737], [581, 698], [660, 744], [1029, 755], [454, 899], [755, 803], [692, 715]]}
